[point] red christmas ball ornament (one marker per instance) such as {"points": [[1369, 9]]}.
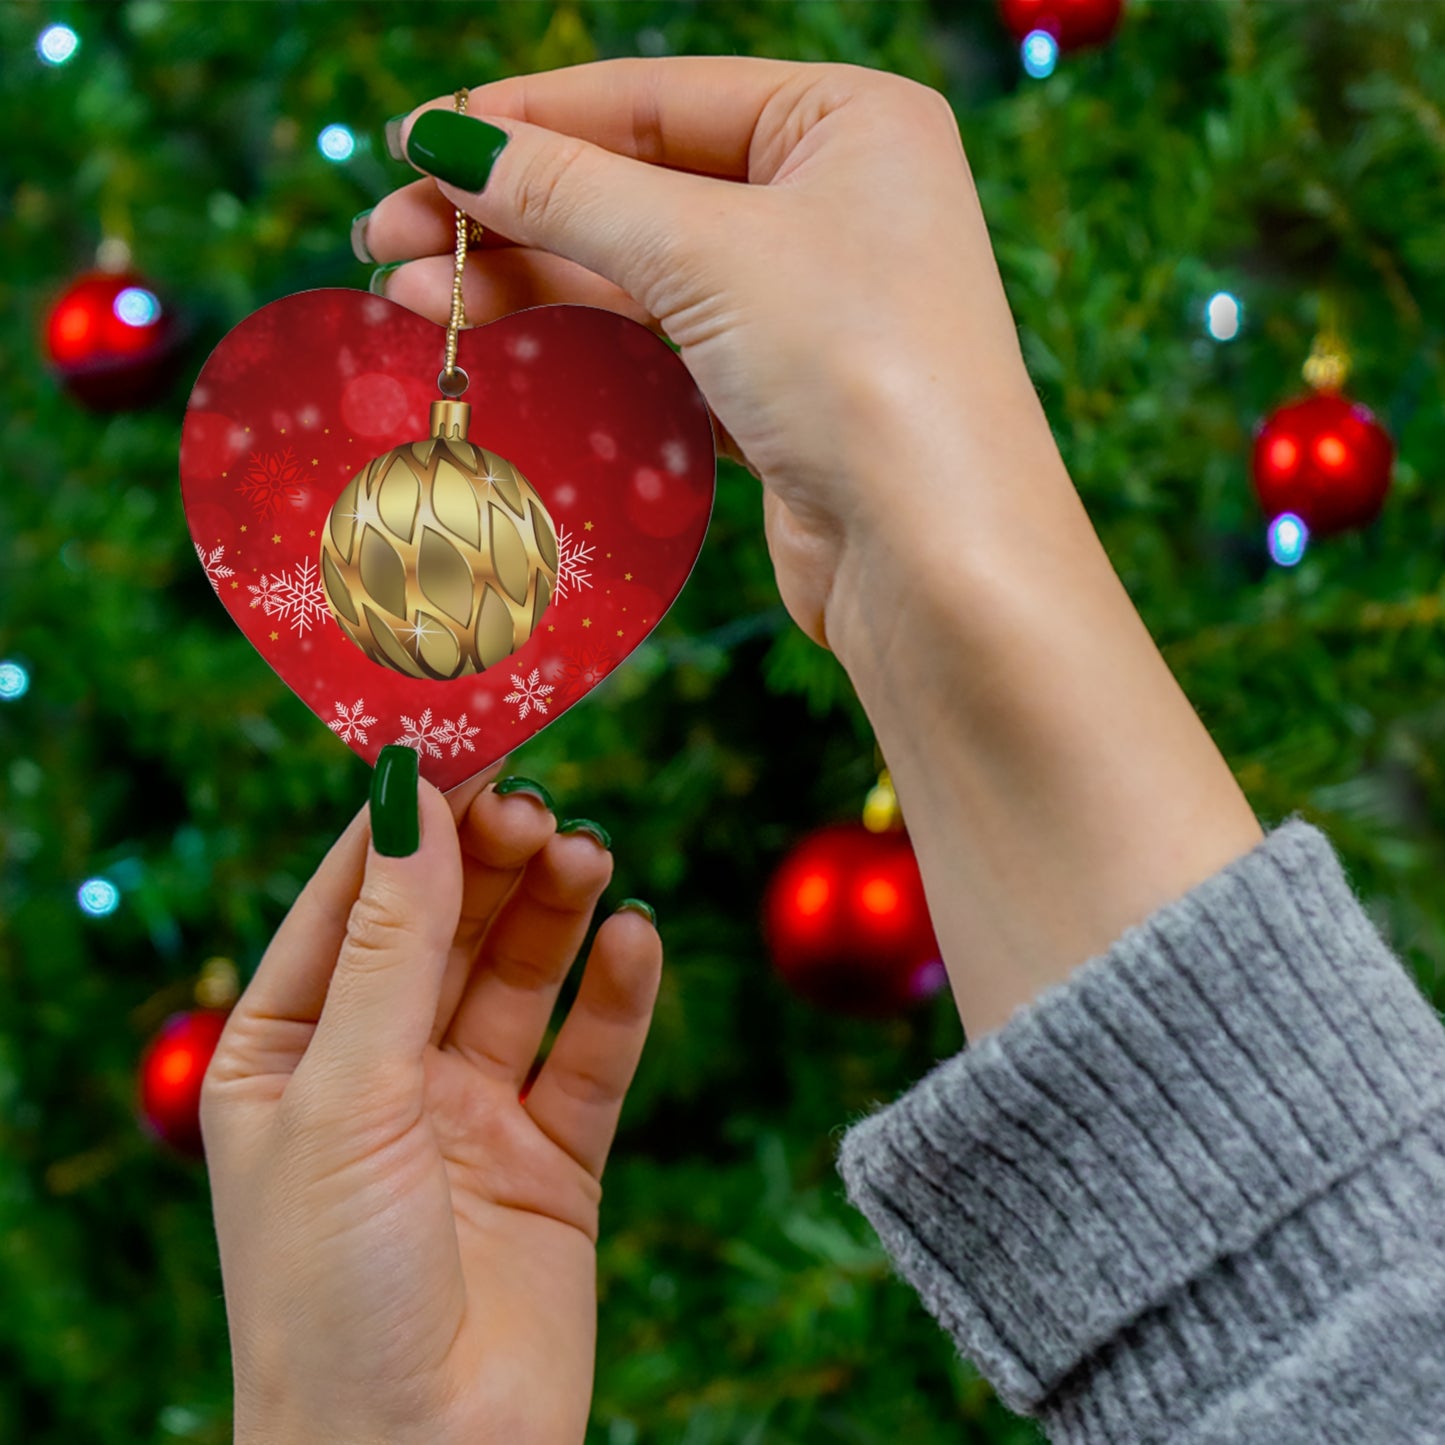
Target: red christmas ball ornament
{"points": [[111, 340], [1326, 459], [171, 1071], [1072, 23], [847, 924]]}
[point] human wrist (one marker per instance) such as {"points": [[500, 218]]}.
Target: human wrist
{"points": [[1056, 782]]}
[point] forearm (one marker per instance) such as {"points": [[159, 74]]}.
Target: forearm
{"points": [[1056, 782]]}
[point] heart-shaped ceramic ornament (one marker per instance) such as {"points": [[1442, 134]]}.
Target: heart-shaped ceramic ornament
{"points": [[458, 617]]}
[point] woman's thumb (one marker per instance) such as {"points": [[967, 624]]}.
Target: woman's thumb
{"points": [[621, 218], [382, 999]]}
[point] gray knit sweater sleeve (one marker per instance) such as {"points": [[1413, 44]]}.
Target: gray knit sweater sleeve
{"points": [[1197, 1191]]}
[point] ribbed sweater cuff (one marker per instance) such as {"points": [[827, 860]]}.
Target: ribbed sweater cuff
{"points": [[1134, 1154]]}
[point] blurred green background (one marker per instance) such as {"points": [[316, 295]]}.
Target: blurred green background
{"points": [[1292, 154]]}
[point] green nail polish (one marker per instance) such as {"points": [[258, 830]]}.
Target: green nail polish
{"points": [[377, 284], [526, 785], [393, 136], [455, 148], [395, 826], [359, 248], [586, 825], [636, 905]]}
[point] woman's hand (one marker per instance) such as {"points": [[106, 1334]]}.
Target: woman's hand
{"points": [[407, 1247], [843, 297], [811, 238]]}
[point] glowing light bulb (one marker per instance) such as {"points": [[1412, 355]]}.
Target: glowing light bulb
{"points": [[57, 44], [336, 143], [1288, 537], [1223, 316], [98, 897], [1040, 53], [14, 681], [137, 307]]}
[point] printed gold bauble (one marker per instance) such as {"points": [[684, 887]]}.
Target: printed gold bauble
{"points": [[439, 558]]}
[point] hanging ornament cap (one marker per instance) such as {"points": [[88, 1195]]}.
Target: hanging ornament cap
{"points": [[219, 985], [1328, 365], [881, 813]]}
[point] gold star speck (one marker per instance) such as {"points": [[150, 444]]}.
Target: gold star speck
{"points": [[619, 632], [587, 622], [243, 527], [235, 584], [627, 576], [313, 531], [550, 628], [277, 537], [586, 526], [274, 636]]}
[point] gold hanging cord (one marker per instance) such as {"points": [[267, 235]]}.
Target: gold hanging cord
{"points": [[452, 381]]}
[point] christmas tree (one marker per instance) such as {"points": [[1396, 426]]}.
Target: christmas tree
{"points": [[1180, 215]]}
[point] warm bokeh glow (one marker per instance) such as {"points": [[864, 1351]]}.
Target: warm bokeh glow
{"points": [[879, 897], [1283, 454], [812, 894], [1331, 451]]}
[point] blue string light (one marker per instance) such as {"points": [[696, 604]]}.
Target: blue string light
{"points": [[1288, 538], [1040, 53], [336, 143], [14, 681], [1223, 316], [98, 897], [137, 307], [57, 44]]}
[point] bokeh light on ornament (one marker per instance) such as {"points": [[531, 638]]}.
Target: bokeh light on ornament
{"points": [[1040, 54], [57, 44], [172, 1070], [847, 924], [98, 897], [1288, 538], [14, 681], [135, 306], [1223, 316], [336, 143]]}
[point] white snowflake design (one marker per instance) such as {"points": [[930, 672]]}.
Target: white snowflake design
{"points": [[295, 595], [455, 733], [214, 563], [351, 722], [572, 554], [531, 694], [422, 734]]}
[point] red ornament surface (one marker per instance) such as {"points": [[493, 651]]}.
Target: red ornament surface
{"points": [[847, 924], [111, 340], [1324, 458], [171, 1072], [1073, 23], [599, 414]]}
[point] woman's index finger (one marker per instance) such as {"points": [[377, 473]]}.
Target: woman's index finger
{"points": [[695, 113]]}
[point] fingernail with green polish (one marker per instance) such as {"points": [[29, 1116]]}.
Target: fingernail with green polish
{"points": [[455, 148], [377, 284], [526, 785], [586, 825], [395, 826], [636, 905], [359, 248], [393, 136]]}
